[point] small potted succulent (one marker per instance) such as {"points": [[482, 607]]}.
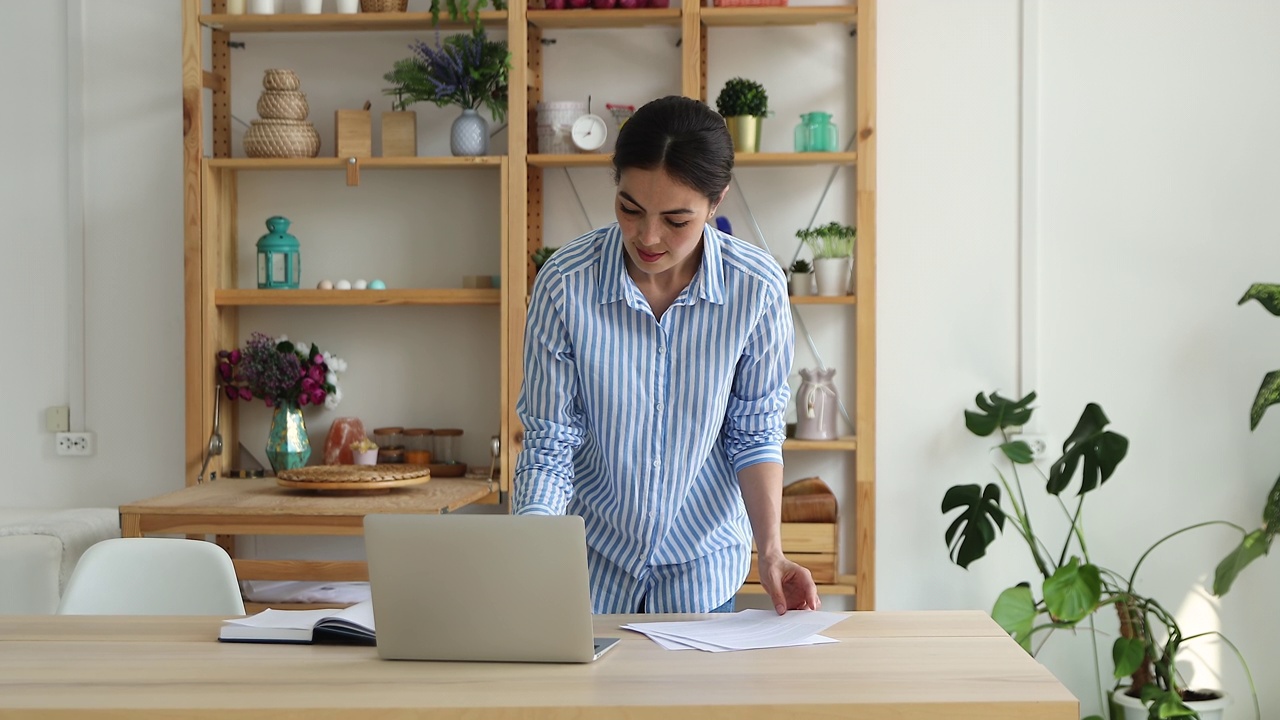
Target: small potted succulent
{"points": [[743, 103], [801, 278], [832, 248], [364, 452], [540, 256]]}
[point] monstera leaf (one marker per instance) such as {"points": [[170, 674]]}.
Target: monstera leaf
{"points": [[1101, 450], [1073, 591], [998, 412], [1253, 546], [1015, 611], [1128, 654], [975, 528]]}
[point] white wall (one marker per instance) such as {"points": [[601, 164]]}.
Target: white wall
{"points": [[1156, 158], [1155, 163]]}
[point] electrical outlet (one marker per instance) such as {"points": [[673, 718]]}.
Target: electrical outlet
{"points": [[1039, 444], [69, 443]]}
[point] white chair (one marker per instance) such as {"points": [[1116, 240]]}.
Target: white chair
{"points": [[153, 576]]}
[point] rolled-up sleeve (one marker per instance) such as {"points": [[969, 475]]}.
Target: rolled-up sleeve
{"points": [[755, 424], [548, 405]]}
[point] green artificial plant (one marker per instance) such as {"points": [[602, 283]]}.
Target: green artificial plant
{"points": [[833, 240], [801, 267], [1072, 587], [740, 96], [463, 10]]}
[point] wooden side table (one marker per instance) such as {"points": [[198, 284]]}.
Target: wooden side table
{"points": [[258, 506]]}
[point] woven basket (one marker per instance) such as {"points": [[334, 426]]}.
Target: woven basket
{"points": [[281, 139], [372, 6], [280, 80], [283, 105]]}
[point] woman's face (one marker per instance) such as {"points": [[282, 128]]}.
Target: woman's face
{"points": [[661, 221]]}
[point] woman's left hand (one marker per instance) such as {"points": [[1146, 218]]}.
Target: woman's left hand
{"points": [[789, 584]]}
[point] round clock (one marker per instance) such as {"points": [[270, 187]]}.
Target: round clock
{"points": [[589, 132]]}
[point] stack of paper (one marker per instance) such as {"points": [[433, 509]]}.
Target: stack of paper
{"points": [[745, 630]]}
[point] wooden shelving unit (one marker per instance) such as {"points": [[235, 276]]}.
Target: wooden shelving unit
{"points": [[210, 189]]}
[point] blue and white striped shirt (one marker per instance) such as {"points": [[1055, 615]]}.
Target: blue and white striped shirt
{"points": [[641, 425]]}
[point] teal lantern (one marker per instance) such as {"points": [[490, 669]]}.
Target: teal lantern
{"points": [[278, 262]]}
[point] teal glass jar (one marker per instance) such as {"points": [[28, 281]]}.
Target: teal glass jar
{"points": [[279, 264], [816, 133]]}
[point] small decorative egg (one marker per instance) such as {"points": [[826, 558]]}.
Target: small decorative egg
{"points": [[342, 285], [377, 285], [325, 284], [359, 285]]}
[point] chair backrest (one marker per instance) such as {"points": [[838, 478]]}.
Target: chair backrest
{"points": [[153, 576]]}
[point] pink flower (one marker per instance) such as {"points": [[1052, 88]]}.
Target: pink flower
{"points": [[303, 399], [317, 397], [235, 357], [245, 393], [225, 371], [233, 393]]}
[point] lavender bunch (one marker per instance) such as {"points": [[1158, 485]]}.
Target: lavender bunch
{"points": [[467, 70]]}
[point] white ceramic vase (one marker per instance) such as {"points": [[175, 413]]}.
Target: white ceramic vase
{"points": [[312, 7], [262, 7], [469, 135], [1133, 709], [832, 275], [348, 7]]}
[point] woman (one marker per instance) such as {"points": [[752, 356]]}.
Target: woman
{"points": [[656, 360]]}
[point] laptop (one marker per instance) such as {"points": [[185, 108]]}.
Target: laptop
{"points": [[506, 588]]}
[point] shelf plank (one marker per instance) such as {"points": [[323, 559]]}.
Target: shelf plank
{"points": [[374, 163], [354, 298], [336, 22], [824, 300], [773, 15], [582, 160], [794, 159], [846, 442], [611, 18]]}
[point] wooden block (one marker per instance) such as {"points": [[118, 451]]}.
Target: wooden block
{"points": [[808, 508], [353, 133], [808, 538], [399, 134], [821, 565]]}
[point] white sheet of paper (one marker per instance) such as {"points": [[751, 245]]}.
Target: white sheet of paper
{"points": [[670, 643], [294, 619], [745, 630]]}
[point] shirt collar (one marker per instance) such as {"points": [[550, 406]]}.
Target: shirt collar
{"points": [[615, 284]]}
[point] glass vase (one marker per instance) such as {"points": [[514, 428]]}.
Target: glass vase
{"points": [[287, 444]]}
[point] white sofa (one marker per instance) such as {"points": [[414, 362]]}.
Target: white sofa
{"points": [[38, 549]]}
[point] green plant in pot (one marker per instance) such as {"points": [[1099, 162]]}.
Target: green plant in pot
{"points": [[801, 278], [459, 10], [541, 255], [743, 104], [1072, 587], [832, 247], [467, 70]]}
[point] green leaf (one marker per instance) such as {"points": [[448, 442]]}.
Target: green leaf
{"points": [[975, 528], [1253, 546], [1018, 451], [1015, 611], [1128, 654], [1170, 705], [1268, 395], [1101, 450], [1271, 513], [1073, 591], [1267, 295], [998, 412]]}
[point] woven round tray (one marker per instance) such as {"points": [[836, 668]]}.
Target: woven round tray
{"points": [[353, 478], [281, 139], [283, 105]]}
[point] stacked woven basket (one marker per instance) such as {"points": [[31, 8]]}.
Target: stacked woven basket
{"points": [[283, 130]]}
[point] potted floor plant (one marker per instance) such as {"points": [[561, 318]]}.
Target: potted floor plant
{"points": [[1072, 588], [743, 104], [832, 248], [467, 70]]}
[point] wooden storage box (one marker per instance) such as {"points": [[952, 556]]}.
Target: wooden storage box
{"points": [[400, 133], [813, 545], [353, 133]]}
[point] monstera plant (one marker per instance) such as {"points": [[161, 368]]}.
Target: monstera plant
{"points": [[1071, 587]]}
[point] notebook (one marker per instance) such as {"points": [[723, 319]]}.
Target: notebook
{"points": [[481, 588], [351, 625]]}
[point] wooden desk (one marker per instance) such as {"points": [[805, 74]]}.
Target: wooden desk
{"points": [[258, 506], [888, 666]]}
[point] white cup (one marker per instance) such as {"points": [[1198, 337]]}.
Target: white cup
{"points": [[235, 7], [348, 6], [262, 7], [312, 7]]}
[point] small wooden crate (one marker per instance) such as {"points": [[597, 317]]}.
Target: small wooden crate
{"points": [[399, 134], [353, 133], [813, 545]]}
